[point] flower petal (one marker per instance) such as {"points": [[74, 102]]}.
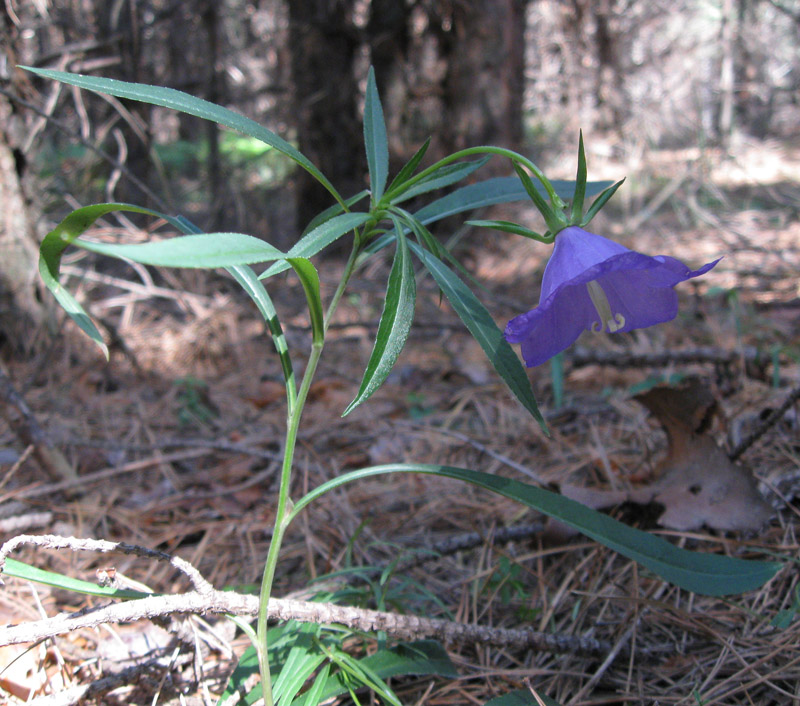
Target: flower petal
{"points": [[549, 329], [576, 251], [638, 289]]}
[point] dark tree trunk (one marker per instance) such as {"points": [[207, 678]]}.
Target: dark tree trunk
{"points": [[324, 44], [21, 310], [484, 43]]}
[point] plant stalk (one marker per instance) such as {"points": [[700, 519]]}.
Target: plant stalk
{"points": [[283, 512]]}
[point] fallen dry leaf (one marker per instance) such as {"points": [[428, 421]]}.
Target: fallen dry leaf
{"points": [[697, 483]]}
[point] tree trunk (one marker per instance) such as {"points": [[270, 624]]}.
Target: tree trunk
{"points": [[21, 310], [324, 44], [484, 43]]}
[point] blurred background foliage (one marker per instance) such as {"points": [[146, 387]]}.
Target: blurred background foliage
{"points": [[525, 74]]}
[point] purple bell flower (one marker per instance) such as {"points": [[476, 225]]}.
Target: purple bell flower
{"points": [[596, 284]]}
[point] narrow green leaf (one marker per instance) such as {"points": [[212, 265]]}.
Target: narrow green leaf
{"points": [[20, 570], [309, 278], [395, 323], [423, 235], [358, 675], [483, 328], [314, 694], [237, 683], [493, 191], [204, 250], [375, 139], [423, 658], [534, 191], [332, 211], [319, 238], [409, 167], [508, 227], [600, 201], [302, 661], [439, 179], [247, 279], [280, 639], [706, 574], [184, 103], [255, 289], [58, 240], [580, 183]]}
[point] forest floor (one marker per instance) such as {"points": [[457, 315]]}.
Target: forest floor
{"points": [[176, 441]]}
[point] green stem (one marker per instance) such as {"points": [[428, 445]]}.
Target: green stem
{"points": [[283, 512]]}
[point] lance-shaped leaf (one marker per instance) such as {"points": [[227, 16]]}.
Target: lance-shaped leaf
{"points": [[202, 251], [255, 289], [485, 331], [410, 166], [494, 191], [309, 278], [319, 238], [332, 211], [438, 179], [375, 140], [395, 323], [184, 103], [52, 248], [706, 574]]}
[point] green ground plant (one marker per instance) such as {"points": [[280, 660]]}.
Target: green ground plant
{"points": [[308, 663]]}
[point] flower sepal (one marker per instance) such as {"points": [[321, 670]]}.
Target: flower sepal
{"points": [[515, 228]]}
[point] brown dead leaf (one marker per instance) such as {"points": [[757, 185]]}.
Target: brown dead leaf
{"points": [[698, 484]]}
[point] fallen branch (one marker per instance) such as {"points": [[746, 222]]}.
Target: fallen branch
{"points": [[208, 600], [405, 627]]}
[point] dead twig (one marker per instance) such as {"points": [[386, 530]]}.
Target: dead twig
{"points": [[27, 429], [52, 541], [580, 357], [775, 416], [207, 600]]}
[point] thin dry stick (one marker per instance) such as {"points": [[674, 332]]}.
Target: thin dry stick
{"points": [[762, 428], [580, 356], [53, 541], [208, 600], [27, 428]]}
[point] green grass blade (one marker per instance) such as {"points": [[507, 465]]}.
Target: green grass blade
{"points": [[706, 574], [314, 694], [485, 331], [319, 238], [423, 658], [394, 326], [184, 103], [377, 145], [303, 659], [20, 570]]}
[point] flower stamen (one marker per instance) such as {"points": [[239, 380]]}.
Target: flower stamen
{"points": [[608, 320]]}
